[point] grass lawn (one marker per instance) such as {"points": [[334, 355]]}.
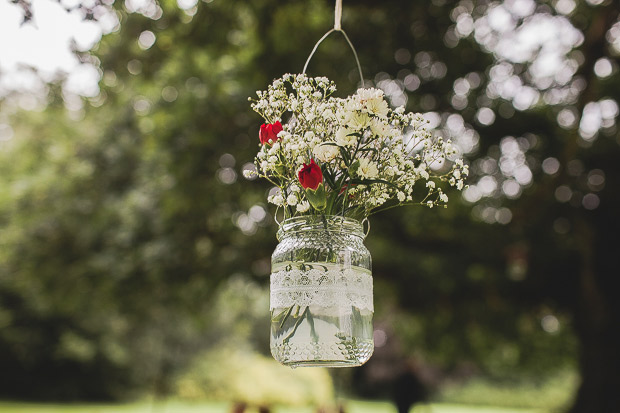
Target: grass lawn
{"points": [[212, 407]]}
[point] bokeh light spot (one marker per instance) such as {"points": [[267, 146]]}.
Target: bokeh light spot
{"points": [[186, 4], [550, 324], [379, 337], [142, 106], [563, 193], [412, 82], [596, 179], [169, 94], [590, 201], [503, 216], [257, 213], [402, 56], [485, 116], [550, 166], [134, 67], [511, 188], [227, 175], [567, 118], [603, 67], [565, 6], [227, 161], [146, 39]]}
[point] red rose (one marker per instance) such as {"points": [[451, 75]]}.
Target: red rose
{"points": [[344, 188], [310, 175], [269, 132]]}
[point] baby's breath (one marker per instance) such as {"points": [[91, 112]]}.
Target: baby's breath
{"points": [[372, 157]]}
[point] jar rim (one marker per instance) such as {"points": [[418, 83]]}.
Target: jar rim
{"points": [[331, 223]]}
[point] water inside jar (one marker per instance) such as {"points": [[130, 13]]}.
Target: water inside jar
{"points": [[338, 335]]}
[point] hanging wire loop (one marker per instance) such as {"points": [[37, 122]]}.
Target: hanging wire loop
{"points": [[337, 28]]}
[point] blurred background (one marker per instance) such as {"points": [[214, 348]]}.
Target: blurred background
{"points": [[135, 257]]}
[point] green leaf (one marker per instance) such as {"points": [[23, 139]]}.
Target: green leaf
{"points": [[317, 198]]}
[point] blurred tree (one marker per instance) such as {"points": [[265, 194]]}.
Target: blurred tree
{"points": [[117, 229]]}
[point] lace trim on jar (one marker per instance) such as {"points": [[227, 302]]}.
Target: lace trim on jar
{"points": [[344, 288]]}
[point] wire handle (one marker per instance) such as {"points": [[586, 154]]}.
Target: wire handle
{"points": [[337, 28], [275, 217], [367, 221]]}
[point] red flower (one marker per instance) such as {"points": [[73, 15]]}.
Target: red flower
{"points": [[310, 175], [269, 132], [344, 188]]}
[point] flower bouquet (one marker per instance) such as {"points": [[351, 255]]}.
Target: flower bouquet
{"points": [[333, 163]]}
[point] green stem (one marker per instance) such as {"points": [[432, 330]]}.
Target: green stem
{"points": [[315, 336], [288, 313], [296, 326], [393, 206], [324, 221]]}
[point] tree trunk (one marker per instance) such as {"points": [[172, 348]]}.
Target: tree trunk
{"points": [[599, 391], [597, 318], [600, 371], [597, 311]]}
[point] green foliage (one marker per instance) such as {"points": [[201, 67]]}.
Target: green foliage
{"points": [[553, 394], [116, 232], [233, 373], [445, 282]]}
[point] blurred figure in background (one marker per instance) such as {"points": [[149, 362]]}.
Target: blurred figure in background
{"points": [[408, 389], [238, 407]]}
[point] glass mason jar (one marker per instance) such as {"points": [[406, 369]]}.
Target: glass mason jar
{"points": [[321, 293]]}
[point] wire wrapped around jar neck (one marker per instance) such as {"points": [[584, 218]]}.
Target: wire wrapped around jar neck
{"points": [[322, 223]]}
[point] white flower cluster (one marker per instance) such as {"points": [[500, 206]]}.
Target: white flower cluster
{"points": [[370, 156]]}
